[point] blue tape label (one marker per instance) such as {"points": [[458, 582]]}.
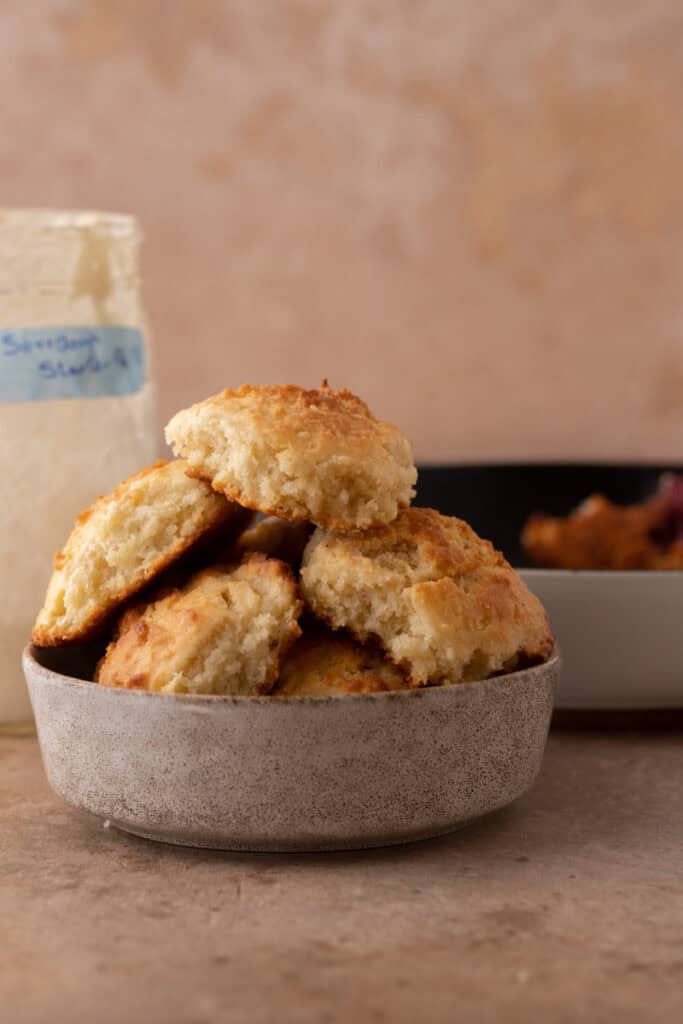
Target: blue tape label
{"points": [[38, 364]]}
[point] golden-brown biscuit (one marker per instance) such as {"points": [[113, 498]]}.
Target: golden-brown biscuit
{"points": [[122, 542], [444, 604], [224, 632], [323, 663], [315, 455], [277, 538]]}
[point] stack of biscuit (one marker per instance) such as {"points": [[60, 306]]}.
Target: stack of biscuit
{"points": [[340, 586]]}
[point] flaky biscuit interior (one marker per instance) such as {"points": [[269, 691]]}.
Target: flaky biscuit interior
{"points": [[316, 455], [224, 632], [122, 542], [444, 604]]}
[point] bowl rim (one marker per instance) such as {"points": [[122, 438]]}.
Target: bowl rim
{"points": [[51, 677], [629, 574]]}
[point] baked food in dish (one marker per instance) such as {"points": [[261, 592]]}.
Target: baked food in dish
{"points": [[323, 663], [602, 535], [277, 538], [317, 455], [443, 603], [123, 542], [224, 632], [672, 558]]}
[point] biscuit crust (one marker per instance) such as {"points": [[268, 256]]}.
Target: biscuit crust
{"points": [[323, 663], [444, 604], [317, 455], [224, 632], [123, 542]]}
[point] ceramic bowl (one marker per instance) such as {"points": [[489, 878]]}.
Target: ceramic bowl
{"points": [[307, 773], [620, 634]]}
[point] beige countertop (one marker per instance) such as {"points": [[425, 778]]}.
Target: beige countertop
{"points": [[566, 907]]}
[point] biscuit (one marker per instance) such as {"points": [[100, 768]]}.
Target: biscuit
{"points": [[277, 538], [443, 603], [301, 455], [322, 663], [122, 542], [224, 632]]}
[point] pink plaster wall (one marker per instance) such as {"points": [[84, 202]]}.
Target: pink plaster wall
{"points": [[471, 213]]}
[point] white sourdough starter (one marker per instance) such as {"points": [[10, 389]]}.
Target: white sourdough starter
{"points": [[65, 434]]}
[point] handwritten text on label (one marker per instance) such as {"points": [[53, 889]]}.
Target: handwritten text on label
{"points": [[41, 364]]}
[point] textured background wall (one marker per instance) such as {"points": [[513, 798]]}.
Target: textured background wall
{"points": [[472, 213]]}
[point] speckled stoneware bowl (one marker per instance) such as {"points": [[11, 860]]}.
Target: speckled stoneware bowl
{"points": [[311, 773]]}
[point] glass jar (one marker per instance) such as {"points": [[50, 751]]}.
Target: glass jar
{"points": [[77, 400]]}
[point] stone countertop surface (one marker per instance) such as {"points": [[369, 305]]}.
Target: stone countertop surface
{"points": [[567, 906]]}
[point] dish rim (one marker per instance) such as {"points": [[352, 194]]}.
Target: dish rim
{"points": [[610, 573], [50, 676]]}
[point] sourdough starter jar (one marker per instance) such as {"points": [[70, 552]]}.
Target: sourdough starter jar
{"points": [[77, 402]]}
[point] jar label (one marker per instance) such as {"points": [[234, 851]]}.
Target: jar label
{"points": [[38, 364]]}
